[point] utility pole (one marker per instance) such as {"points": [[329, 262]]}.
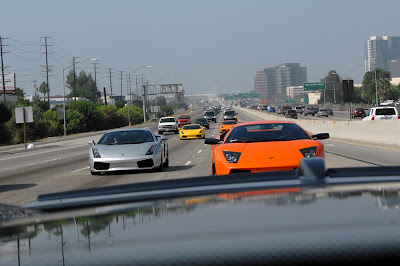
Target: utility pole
{"points": [[47, 72], [111, 95], [34, 87], [121, 85], [2, 69], [95, 81], [73, 63]]}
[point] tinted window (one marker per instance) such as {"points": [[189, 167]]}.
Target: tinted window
{"points": [[201, 120], [126, 137], [209, 113], [167, 120], [191, 127], [266, 132], [230, 113], [229, 122], [386, 111]]}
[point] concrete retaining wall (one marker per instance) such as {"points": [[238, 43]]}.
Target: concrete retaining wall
{"points": [[384, 131]]}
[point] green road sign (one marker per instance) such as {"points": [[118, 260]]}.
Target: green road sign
{"points": [[313, 86]]}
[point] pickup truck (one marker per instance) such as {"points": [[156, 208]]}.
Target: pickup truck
{"points": [[168, 124]]}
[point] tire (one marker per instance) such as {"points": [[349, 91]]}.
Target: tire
{"points": [[213, 171], [177, 131], [95, 173], [160, 133], [166, 163]]}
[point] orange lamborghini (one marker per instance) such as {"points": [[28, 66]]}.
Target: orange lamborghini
{"points": [[226, 125], [261, 146]]}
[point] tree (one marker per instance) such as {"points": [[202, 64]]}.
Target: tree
{"points": [[395, 93], [43, 89], [84, 85], [383, 78], [19, 92]]}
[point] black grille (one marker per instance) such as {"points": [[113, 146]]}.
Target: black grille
{"points": [[101, 166], [145, 163], [235, 171]]}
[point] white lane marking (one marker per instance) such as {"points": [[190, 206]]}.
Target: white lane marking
{"points": [[199, 151], [174, 138], [59, 148], [52, 160], [77, 170], [189, 162], [329, 145]]}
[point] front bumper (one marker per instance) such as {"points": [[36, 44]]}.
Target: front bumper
{"points": [[124, 164]]}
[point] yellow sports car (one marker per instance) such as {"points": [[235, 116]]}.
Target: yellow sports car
{"points": [[192, 131]]}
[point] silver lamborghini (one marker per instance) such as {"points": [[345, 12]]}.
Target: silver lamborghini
{"points": [[128, 149]]}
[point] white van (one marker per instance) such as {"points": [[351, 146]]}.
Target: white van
{"points": [[382, 113]]}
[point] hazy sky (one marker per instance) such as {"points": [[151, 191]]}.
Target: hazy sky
{"points": [[210, 46]]}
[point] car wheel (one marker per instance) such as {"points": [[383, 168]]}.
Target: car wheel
{"points": [[213, 169], [160, 133], [313, 114], [166, 163], [177, 131], [95, 173]]}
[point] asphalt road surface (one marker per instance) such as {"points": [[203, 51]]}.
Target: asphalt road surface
{"points": [[61, 164]]}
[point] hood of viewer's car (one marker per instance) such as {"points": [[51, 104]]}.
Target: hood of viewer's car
{"points": [[253, 221]]}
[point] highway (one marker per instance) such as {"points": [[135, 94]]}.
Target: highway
{"points": [[61, 164]]}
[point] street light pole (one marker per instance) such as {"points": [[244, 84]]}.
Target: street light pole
{"points": [[129, 74], [376, 89], [64, 113]]}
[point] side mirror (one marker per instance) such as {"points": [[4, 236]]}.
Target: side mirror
{"points": [[321, 136], [91, 142]]}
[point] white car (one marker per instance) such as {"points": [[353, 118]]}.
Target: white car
{"points": [[168, 124], [382, 113]]}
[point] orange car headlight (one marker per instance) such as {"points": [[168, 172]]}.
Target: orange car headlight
{"points": [[309, 152], [231, 157]]}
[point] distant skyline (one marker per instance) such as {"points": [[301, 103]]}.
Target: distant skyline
{"points": [[209, 46]]}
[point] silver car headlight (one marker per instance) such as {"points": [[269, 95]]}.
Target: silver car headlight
{"points": [[231, 157], [152, 149], [96, 153]]}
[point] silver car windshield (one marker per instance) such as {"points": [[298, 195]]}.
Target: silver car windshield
{"points": [[126, 137]]}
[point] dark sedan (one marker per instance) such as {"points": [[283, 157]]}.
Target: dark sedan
{"points": [[203, 122]]}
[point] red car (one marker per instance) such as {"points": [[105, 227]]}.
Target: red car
{"points": [[358, 112], [184, 120]]}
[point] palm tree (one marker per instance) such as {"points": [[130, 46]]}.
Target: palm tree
{"points": [[43, 89]]}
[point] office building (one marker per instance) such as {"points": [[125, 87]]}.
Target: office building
{"points": [[271, 82], [383, 52]]}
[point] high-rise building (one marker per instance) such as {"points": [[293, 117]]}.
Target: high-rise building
{"points": [[271, 82], [383, 52]]}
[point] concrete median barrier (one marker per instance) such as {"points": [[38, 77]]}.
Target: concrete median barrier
{"points": [[386, 131]]}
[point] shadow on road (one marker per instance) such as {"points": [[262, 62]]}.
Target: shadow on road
{"points": [[169, 169], [4, 188]]}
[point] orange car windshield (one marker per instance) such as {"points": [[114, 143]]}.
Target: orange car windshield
{"points": [[229, 122], [266, 132]]}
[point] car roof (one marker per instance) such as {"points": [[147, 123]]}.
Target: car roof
{"points": [[128, 129]]}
